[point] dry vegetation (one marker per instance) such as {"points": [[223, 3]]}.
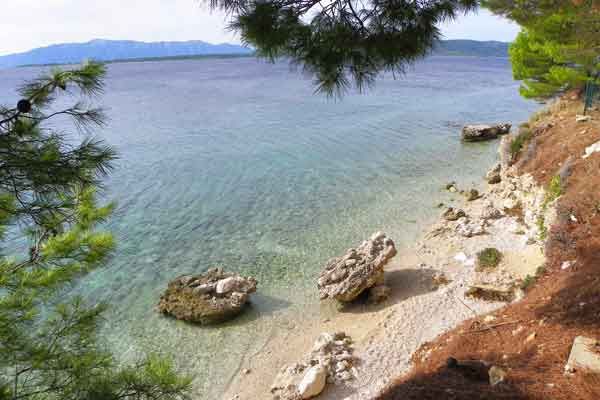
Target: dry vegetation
{"points": [[560, 303]]}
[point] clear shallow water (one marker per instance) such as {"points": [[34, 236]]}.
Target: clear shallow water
{"points": [[236, 163]]}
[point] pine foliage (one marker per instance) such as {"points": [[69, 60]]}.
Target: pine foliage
{"points": [[558, 47], [342, 43], [48, 183]]}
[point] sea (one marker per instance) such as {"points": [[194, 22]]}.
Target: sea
{"points": [[238, 163]]}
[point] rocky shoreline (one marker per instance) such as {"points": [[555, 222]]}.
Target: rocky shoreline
{"points": [[433, 287]]}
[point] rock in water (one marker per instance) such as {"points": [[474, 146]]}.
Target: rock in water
{"points": [[212, 297], [475, 133], [344, 278]]}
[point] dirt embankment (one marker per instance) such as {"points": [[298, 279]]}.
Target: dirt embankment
{"points": [[531, 339]]}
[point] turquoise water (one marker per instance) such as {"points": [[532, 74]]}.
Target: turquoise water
{"points": [[237, 163]]}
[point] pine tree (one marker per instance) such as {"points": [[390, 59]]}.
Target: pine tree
{"points": [[48, 181], [558, 47], [342, 42]]}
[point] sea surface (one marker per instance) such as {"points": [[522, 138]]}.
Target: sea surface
{"points": [[237, 163]]}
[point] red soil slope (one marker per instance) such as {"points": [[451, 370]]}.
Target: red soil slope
{"points": [[561, 305]]}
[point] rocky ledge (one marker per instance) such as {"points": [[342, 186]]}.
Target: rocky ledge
{"points": [[330, 361], [476, 133], [345, 278], [212, 297]]}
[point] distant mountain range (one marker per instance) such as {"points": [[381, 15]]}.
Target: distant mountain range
{"points": [[471, 48], [112, 50]]}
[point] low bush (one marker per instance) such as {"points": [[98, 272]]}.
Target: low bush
{"points": [[525, 134], [488, 258]]}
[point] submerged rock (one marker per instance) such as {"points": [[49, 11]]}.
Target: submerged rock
{"points": [[345, 278], [475, 133], [212, 297]]}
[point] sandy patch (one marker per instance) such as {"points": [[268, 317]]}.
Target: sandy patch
{"points": [[387, 335]]}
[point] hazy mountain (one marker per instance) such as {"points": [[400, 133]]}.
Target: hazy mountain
{"points": [[471, 48], [108, 50]]}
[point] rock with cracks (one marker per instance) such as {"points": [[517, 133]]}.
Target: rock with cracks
{"points": [[476, 133], [345, 278], [330, 361], [212, 297]]}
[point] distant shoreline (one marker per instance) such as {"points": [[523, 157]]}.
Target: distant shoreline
{"points": [[118, 51], [222, 56], [150, 59]]}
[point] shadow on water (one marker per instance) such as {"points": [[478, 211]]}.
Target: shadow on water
{"points": [[404, 284]]}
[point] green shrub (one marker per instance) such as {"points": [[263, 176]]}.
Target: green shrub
{"points": [[543, 231], [525, 134], [528, 282], [488, 258], [553, 192], [554, 189]]}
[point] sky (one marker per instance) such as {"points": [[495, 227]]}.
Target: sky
{"points": [[27, 24]]}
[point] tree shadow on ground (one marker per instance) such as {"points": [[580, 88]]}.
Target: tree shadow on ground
{"points": [[451, 384]]}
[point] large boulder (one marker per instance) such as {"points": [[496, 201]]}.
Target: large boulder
{"points": [[212, 297], [345, 278], [476, 133]]}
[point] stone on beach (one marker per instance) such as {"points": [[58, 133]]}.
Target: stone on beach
{"points": [[585, 355], [467, 228], [472, 194], [475, 133], [491, 293], [329, 361], [212, 297], [493, 175], [313, 382], [345, 278], [451, 214]]}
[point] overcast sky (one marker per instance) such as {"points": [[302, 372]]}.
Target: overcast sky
{"points": [[26, 24]]}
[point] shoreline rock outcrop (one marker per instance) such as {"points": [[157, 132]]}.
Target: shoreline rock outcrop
{"points": [[212, 297], [477, 133], [345, 278], [330, 361]]}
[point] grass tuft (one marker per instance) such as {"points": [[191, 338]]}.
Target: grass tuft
{"points": [[525, 134], [488, 258]]}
